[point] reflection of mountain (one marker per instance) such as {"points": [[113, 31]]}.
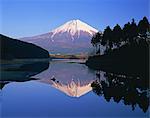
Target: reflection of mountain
{"points": [[64, 71], [73, 89], [73, 79], [132, 91], [21, 71], [2, 84]]}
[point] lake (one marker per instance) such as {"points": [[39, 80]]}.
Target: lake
{"points": [[68, 88]]}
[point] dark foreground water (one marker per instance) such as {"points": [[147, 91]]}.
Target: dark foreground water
{"points": [[69, 89]]}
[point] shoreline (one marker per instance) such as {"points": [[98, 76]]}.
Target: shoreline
{"points": [[123, 61]]}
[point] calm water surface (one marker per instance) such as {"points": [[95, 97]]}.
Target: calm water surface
{"points": [[64, 90]]}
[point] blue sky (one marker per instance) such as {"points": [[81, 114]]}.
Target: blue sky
{"points": [[21, 18]]}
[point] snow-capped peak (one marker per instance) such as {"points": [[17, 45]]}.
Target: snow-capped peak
{"points": [[73, 27], [73, 37]]}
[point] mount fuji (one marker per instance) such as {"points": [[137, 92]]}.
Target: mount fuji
{"points": [[73, 37]]}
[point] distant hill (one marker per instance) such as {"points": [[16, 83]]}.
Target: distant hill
{"points": [[15, 49]]}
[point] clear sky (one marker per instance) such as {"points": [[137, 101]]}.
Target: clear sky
{"points": [[21, 18]]}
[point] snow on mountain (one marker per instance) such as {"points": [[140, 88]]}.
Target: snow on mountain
{"points": [[73, 88], [74, 27], [71, 37]]}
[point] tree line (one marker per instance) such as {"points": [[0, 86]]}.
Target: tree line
{"points": [[130, 33]]}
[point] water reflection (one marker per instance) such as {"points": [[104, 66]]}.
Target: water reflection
{"points": [[21, 71], [72, 88], [48, 94], [132, 91], [72, 78]]}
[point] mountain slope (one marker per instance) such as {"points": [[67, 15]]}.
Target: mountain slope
{"points": [[15, 49], [72, 37]]}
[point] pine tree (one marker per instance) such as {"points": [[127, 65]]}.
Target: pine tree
{"points": [[117, 35], [126, 32], [96, 40], [143, 27], [107, 38], [133, 32]]}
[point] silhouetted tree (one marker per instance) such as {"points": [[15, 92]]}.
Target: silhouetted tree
{"points": [[130, 34], [96, 40], [107, 38], [126, 32], [143, 27], [133, 32], [117, 35]]}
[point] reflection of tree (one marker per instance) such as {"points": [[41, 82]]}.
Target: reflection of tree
{"points": [[132, 91]]}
